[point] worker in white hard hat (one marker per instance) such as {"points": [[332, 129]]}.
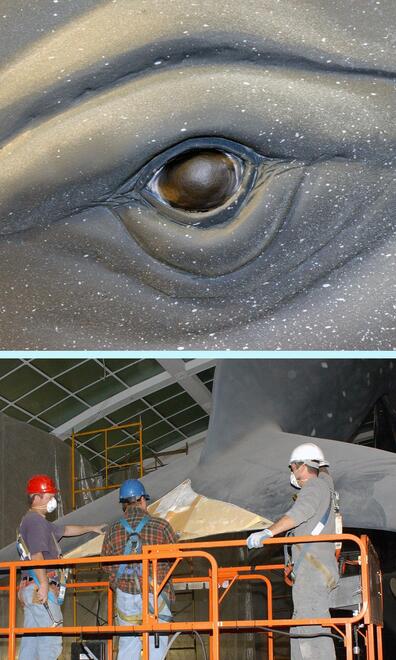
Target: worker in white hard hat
{"points": [[315, 571]]}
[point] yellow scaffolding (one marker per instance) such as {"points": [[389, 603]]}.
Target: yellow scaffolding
{"points": [[107, 448]]}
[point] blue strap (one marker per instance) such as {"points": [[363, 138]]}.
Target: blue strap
{"points": [[32, 574], [133, 533], [138, 528], [164, 617], [326, 515]]}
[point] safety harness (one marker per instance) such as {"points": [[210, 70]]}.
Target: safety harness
{"points": [[134, 570], [60, 575], [291, 568]]}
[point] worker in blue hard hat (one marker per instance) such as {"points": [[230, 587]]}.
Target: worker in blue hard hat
{"points": [[132, 488], [126, 536]]}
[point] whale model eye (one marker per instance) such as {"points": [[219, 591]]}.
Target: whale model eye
{"points": [[201, 182], [198, 180], [208, 206]]}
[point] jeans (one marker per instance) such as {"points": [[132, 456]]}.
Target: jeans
{"points": [[39, 647], [129, 647]]}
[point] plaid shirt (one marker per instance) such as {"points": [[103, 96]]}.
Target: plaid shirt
{"points": [[156, 531]]}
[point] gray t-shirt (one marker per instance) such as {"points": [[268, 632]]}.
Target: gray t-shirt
{"points": [[309, 508], [38, 534]]}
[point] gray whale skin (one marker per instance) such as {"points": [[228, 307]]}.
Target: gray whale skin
{"points": [[281, 238], [263, 409]]}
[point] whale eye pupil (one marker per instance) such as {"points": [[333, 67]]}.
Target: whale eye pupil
{"points": [[199, 180]]}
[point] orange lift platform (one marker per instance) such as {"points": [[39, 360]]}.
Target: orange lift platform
{"points": [[364, 622]]}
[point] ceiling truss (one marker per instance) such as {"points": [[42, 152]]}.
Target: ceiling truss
{"points": [[166, 425]]}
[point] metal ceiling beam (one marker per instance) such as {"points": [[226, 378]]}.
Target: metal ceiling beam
{"points": [[107, 406], [189, 382], [198, 365], [125, 397]]}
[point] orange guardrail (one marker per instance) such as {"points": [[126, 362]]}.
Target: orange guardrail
{"points": [[367, 621]]}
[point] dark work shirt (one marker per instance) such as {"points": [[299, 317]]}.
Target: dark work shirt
{"points": [[38, 534]]}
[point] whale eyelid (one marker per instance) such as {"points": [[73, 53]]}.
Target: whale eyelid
{"points": [[85, 80], [155, 163]]}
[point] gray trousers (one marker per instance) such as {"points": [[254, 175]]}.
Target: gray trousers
{"points": [[311, 601]]}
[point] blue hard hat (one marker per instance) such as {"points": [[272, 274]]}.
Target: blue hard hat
{"points": [[132, 489]]}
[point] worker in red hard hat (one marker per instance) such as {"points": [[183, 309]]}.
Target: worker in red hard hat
{"points": [[40, 589]]}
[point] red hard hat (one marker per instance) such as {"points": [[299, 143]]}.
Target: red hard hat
{"points": [[40, 484]]}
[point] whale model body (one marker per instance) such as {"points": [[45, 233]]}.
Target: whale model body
{"points": [[263, 409]]}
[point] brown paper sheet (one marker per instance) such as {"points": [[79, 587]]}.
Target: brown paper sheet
{"points": [[192, 516]]}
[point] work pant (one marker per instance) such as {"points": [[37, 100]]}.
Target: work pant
{"points": [[311, 601], [130, 605], [39, 647]]}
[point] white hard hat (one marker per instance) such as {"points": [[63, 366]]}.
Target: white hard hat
{"points": [[309, 454]]}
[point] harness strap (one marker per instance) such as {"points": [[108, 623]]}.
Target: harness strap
{"points": [[162, 599], [57, 546], [51, 596], [62, 573], [287, 552], [136, 618], [129, 618], [25, 555], [133, 533], [138, 528]]}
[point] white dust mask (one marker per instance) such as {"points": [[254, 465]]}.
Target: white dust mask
{"points": [[293, 481], [51, 505]]}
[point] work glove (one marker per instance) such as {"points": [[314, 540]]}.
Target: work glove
{"points": [[257, 539]]}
